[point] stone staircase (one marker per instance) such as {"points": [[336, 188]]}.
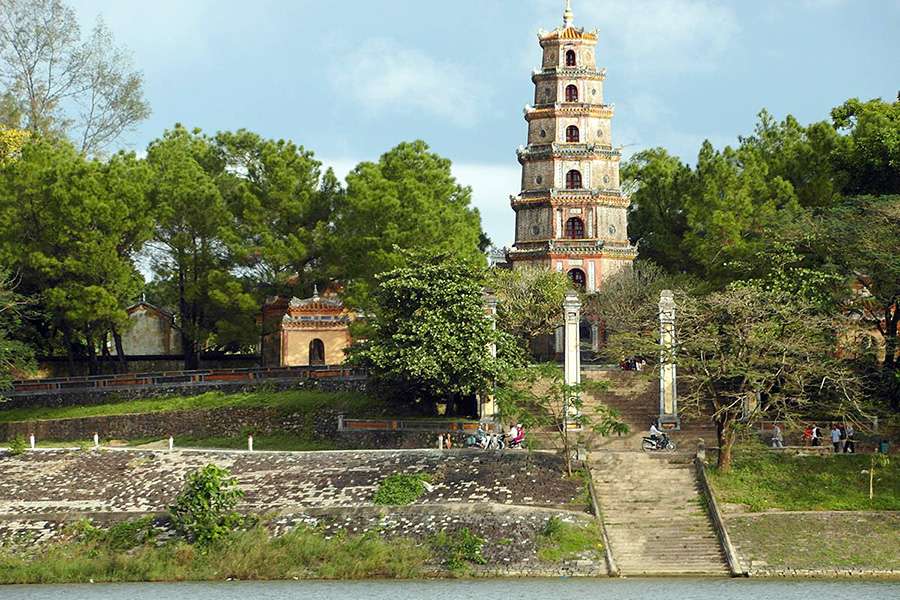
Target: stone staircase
{"points": [[655, 515], [636, 398]]}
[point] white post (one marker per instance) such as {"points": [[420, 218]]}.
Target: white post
{"points": [[250, 443], [31, 440], [440, 442], [96, 441], [668, 391], [171, 443], [572, 314], [486, 409]]}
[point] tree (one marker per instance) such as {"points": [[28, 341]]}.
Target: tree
{"points": [[860, 240], [870, 155], [529, 301], [430, 336], [660, 184], [408, 200], [204, 509], [538, 397], [746, 353], [15, 356], [69, 227], [63, 85], [736, 204], [11, 141], [191, 256], [282, 209], [627, 301]]}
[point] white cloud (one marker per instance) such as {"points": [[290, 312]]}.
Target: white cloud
{"points": [[662, 35], [382, 76]]}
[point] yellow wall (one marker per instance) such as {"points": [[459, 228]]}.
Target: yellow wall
{"points": [[296, 347]]}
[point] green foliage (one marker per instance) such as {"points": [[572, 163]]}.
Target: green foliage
{"points": [[248, 555], [17, 446], [560, 541], [15, 356], [121, 536], [408, 200], [529, 301], [204, 509], [69, 229], [870, 155], [460, 549], [538, 397], [430, 337], [765, 480], [400, 489]]}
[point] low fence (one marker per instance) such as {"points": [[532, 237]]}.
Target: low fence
{"points": [[419, 425], [208, 377]]}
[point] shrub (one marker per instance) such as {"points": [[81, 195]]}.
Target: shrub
{"points": [[17, 446], [460, 549], [399, 490], [204, 510]]}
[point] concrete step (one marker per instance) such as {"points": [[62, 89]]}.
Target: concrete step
{"points": [[653, 515]]}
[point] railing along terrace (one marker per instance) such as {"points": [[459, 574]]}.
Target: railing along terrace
{"points": [[28, 387]]}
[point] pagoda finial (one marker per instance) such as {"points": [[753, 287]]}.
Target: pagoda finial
{"points": [[568, 16], [315, 291]]}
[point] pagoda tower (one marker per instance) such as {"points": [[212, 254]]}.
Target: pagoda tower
{"points": [[571, 214]]}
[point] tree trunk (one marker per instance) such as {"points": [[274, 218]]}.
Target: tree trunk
{"points": [[725, 435], [891, 316], [70, 351], [93, 366], [121, 364]]}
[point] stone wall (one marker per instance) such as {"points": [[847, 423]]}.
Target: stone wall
{"points": [[223, 422]]}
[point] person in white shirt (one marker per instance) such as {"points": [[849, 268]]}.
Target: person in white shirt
{"points": [[656, 434], [777, 437], [836, 438]]}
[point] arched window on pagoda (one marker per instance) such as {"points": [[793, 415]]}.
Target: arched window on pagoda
{"points": [[575, 229], [316, 352], [573, 180], [572, 134], [571, 59], [578, 278], [571, 93]]}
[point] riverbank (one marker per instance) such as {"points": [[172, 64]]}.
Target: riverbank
{"points": [[481, 514], [811, 516]]}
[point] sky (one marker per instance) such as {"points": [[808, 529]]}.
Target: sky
{"points": [[350, 79]]}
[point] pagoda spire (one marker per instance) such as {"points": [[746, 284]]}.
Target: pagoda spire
{"points": [[568, 16]]}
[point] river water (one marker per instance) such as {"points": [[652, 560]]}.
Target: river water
{"points": [[521, 589]]}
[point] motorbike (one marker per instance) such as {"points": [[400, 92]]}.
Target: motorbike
{"points": [[660, 444]]}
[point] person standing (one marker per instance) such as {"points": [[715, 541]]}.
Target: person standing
{"points": [[777, 437], [836, 438], [849, 445], [816, 435]]}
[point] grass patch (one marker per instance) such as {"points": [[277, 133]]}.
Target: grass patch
{"points": [[287, 402], [277, 442], [764, 480], [560, 541], [248, 555], [400, 489], [818, 541]]}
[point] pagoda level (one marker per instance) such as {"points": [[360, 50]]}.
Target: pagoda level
{"points": [[571, 214]]}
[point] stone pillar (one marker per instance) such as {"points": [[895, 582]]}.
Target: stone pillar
{"points": [[487, 409], [668, 390], [572, 314]]}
